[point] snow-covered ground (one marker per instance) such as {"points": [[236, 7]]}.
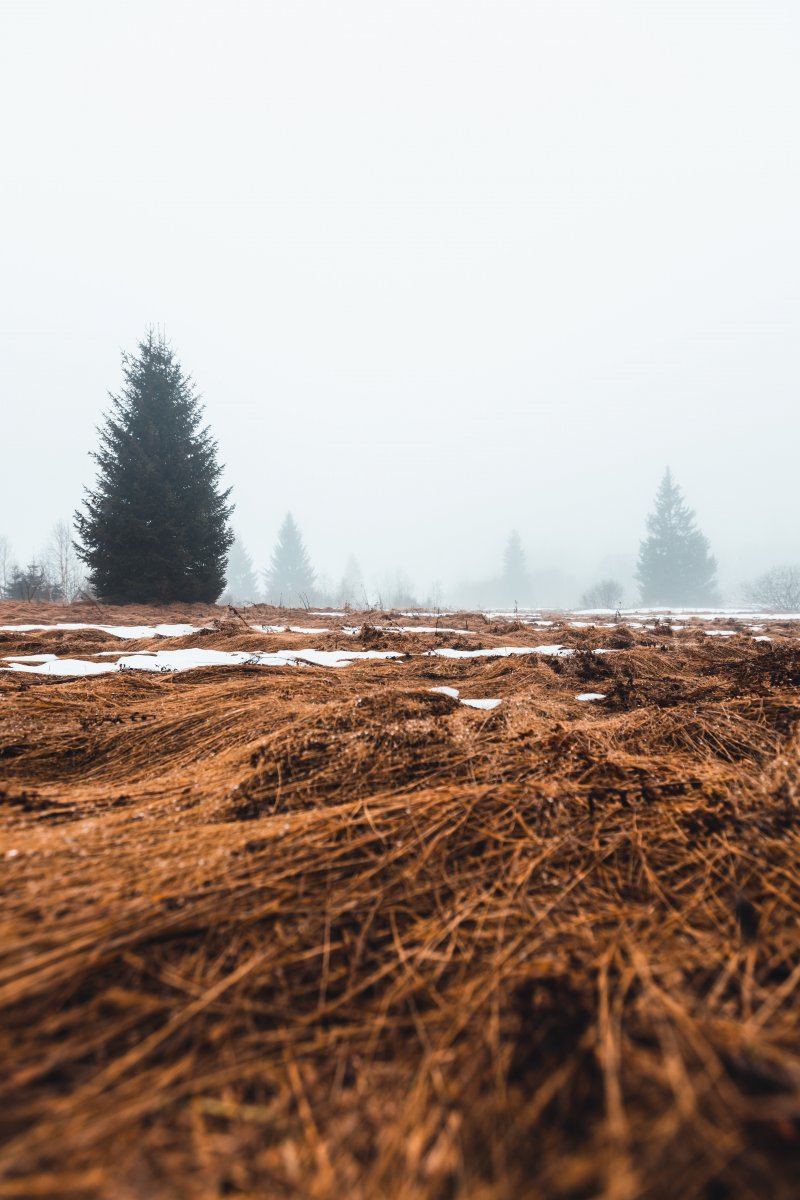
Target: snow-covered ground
{"points": [[131, 632], [187, 660], [192, 657], [557, 651]]}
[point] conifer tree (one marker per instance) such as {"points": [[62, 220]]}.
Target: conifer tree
{"points": [[351, 586], [290, 577], [675, 564], [155, 526], [515, 579], [31, 583], [241, 586]]}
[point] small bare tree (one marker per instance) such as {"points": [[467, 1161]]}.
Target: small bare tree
{"points": [[6, 565], [605, 594], [777, 590], [63, 566]]}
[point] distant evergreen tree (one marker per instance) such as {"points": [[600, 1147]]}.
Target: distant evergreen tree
{"points": [[675, 566], [155, 527], [351, 585], [241, 586], [290, 577], [515, 580], [31, 583]]}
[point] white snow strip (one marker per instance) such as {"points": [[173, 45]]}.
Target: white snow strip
{"points": [[356, 629], [132, 632], [586, 696], [63, 666], [512, 614], [446, 691], [426, 612], [689, 614], [186, 660], [720, 632], [556, 651], [34, 658], [762, 637]]}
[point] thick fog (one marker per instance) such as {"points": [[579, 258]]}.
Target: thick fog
{"points": [[440, 270]]}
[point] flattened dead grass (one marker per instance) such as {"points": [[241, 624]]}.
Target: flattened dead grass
{"points": [[303, 932]]}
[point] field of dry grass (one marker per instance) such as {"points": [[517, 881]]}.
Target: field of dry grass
{"points": [[308, 932]]}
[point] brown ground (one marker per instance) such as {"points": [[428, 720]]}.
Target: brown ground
{"points": [[304, 932]]}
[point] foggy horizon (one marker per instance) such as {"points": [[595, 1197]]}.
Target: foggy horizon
{"points": [[439, 272]]}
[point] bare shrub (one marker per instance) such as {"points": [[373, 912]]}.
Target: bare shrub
{"points": [[64, 570], [608, 593], [777, 589]]}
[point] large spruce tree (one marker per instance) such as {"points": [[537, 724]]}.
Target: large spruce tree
{"points": [[155, 526], [290, 578], [675, 564]]}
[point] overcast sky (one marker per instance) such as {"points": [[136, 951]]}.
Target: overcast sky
{"points": [[439, 269]]}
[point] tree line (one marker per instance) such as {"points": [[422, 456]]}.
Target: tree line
{"points": [[156, 526]]}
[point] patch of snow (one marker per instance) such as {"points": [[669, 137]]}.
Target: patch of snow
{"points": [[557, 651], [186, 660], [356, 629], [762, 637], [132, 632], [63, 666], [36, 658], [586, 696], [446, 691], [426, 612]]}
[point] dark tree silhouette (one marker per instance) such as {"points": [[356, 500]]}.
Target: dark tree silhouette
{"points": [[290, 577], [515, 581], [155, 527], [675, 565]]}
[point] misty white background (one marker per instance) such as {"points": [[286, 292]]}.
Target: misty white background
{"points": [[439, 269]]}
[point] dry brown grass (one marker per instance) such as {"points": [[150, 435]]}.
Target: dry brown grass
{"points": [[312, 933]]}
